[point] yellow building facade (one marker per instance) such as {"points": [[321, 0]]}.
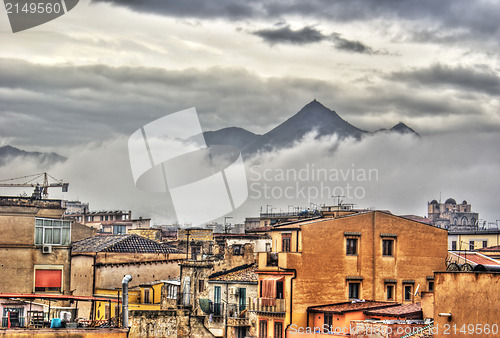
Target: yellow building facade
{"points": [[143, 297], [370, 255], [473, 240]]}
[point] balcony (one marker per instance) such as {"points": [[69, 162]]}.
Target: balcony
{"points": [[272, 260], [238, 322], [268, 260], [267, 305]]}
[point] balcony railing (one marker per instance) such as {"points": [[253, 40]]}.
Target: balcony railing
{"points": [[238, 322], [18, 323], [271, 305]]}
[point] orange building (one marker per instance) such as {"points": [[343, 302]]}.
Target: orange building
{"points": [[368, 255]]}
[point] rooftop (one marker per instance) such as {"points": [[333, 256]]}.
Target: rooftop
{"points": [[490, 249], [405, 310], [30, 202], [121, 243], [341, 308], [243, 273], [476, 258]]}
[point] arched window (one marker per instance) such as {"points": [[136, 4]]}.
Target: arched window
{"points": [[464, 220], [473, 221], [455, 221]]}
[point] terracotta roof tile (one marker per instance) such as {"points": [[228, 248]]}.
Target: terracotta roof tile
{"points": [[341, 308], [397, 311], [478, 259], [121, 243], [242, 273], [491, 248]]}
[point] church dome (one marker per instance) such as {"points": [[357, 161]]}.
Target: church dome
{"points": [[450, 201]]}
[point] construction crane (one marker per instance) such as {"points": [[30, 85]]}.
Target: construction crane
{"points": [[41, 188]]}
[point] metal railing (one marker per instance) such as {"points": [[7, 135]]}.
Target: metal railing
{"points": [[270, 305], [20, 322], [238, 322]]}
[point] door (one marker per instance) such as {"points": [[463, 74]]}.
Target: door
{"points": [[217, 294], [242, 332], [243, 299]]}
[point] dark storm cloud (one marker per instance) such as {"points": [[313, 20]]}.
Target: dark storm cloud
{"points": [[351, 45], [285, 34], [475, 79], [308, 35], [478, 17], [53, 105]]}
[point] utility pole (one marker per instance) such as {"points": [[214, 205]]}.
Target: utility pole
{"points": [[225, 224], [187, 244]]}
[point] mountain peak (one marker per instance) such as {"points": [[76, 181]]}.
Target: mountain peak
{"points": [[403, 129], [318, 109]]}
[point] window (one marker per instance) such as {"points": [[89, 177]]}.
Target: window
{"points": [[387, 247], [119, 229], [263, 329], [285, 242], [352, 246], [146, 296], [407, 292], [48, 280], [201, 285], [195, 251], [353, 290], [390, 292], [279, 290], [328, 327], [453, 245], [471, 245], [172, 291], [431, 286], [485, 244], [52, 232], [237, 249], [278, 330]]}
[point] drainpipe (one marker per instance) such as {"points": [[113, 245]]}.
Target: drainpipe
{"points": [[291, 296], [125, 282]]}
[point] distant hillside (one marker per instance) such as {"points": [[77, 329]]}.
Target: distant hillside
{"points": [[8, 153], [237, 137], [313, 116]]}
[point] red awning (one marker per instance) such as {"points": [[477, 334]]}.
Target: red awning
{"points": [[48, 278]]}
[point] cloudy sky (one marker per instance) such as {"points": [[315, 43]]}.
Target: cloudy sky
{"points": [[83, 83]]}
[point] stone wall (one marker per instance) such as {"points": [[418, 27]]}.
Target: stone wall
{"points": [[166, 323], [110, 275]]}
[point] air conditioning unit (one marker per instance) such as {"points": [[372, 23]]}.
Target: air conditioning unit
{"points": [[46, 249], [232, 291]]}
